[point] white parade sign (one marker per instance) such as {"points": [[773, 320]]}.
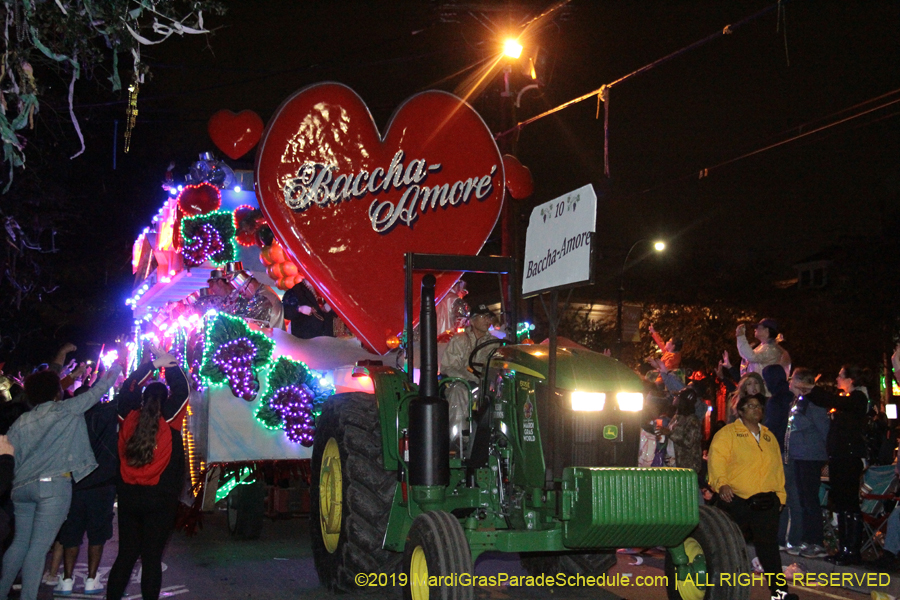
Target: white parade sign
{"points": [[558, 243]]}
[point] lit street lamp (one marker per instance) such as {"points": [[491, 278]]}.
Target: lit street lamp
{"points": [[512, 48], [659, 246]]}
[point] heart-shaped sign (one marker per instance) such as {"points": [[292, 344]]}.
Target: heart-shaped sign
{"points": [[348, 203], [235, 134]]}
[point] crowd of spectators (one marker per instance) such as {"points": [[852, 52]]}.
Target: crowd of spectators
{"points": [[70, 447], [787, 437]]}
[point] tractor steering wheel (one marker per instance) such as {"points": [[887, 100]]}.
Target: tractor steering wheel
{"points": [[477, 368]]}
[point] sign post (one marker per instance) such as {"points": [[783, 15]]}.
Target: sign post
{"points": [[558, 255], [559, 242]]}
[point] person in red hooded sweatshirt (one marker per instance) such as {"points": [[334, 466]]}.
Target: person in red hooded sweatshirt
{"points": [[151, 455]]}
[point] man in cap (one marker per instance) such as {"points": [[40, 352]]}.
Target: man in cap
{"points": [[768, 352], [455, 363]]}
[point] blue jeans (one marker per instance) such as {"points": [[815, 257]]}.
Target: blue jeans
{"points": [[41, 507], [892, 535], [790, 525]]}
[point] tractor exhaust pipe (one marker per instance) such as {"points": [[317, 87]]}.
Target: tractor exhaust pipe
{"points": [[428, 383], [429, 414]]}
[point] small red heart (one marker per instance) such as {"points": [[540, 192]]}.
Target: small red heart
{"points": [[519, 181], [199, 199], [353, 246], [235, 134]]}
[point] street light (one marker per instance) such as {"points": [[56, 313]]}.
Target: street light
{"points": [[512, 48], [659, 246]]}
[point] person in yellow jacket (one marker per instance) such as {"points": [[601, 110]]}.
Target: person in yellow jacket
{"points": [[746, 470]]}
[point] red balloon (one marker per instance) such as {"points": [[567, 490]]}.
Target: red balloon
{"points": [[519, 181], [235, 134], [199, 199]]}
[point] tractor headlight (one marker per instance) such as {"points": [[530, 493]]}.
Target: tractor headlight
{"points": [[588, 401], [630, 401]]}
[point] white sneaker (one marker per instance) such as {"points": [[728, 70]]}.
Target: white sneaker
{"points": [[50, 579], [64, 587], [92, 586], [797, 550]]}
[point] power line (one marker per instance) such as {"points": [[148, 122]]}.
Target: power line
{"points": [[703, 173], [727, 30]]}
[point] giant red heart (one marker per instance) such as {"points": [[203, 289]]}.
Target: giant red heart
{"points": [[348, 203], [235, 134]]}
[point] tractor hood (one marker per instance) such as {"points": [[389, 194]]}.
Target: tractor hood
{"points": [[576, 368]]}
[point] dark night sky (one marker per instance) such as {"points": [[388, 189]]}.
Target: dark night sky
{"points": [[734, 95]]}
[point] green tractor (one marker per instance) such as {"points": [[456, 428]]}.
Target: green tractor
{"points": [[539, 473]]}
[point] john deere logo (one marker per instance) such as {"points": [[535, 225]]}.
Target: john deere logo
{"points": [[610, 432]]}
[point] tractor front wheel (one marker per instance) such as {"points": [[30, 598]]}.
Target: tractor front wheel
{"points": [[350, 493], [715, 547], [436, 552]]}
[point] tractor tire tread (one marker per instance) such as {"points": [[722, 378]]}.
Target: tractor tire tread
{"points": [[725, 552], [368, 492]]}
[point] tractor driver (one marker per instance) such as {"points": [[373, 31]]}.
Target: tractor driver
{"points": [[455, 363]]}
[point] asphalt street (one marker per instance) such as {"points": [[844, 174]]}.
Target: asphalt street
{"points": [[279, 566]]}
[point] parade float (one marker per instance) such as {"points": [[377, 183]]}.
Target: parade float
{"points": [[256, 389]]}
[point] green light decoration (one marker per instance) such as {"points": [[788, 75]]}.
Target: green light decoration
{"points": [[179, 348], [194, 232], [239, 368], [523, 330], [285, 372], [293, 400], [238, 479]]}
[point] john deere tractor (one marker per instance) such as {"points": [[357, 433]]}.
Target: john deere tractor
{"points": [[546, 474]]}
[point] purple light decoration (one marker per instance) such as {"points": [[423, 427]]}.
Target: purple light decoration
{"points": [[195, 377], [294, 405], [235, 360], [206, 242]]}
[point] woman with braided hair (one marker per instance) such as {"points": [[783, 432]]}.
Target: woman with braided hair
{"points": [[151, 454]]}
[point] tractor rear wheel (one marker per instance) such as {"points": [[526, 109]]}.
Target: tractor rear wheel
{"points": [[551, 563], [350, 494], [436, 547], [717, 540]]}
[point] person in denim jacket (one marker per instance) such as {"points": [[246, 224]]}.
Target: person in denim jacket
{"points": [[805, 446], [52, 449]]}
